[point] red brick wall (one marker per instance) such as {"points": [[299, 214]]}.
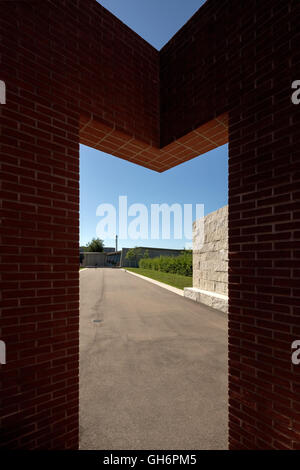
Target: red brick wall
{"points": [[193, 72], [74, 73], [242, 60], [264, 236], [60, 61], [39, 234]]}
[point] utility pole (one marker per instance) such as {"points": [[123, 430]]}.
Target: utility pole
{"points": [[116, 243]]}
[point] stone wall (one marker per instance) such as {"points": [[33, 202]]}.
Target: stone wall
{"points": [[210, 260], [210, 263]]}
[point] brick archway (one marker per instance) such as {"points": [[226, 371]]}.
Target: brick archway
{"points": [[75, 73]]}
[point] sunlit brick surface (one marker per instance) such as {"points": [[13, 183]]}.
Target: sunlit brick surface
{"points": [[116, 142]]}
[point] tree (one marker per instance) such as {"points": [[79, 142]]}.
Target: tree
{"points": [[134, 254], [94, 246]]}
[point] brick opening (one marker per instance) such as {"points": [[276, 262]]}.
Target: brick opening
{"points": [[75, 73]]}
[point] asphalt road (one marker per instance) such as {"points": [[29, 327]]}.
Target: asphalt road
{"points": [[153, 367]]}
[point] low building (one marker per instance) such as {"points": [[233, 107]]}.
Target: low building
{"points": [[108, 249], [118, 258], [93, 259]]}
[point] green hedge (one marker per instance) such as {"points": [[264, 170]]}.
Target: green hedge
{"points": [[182, 264]]}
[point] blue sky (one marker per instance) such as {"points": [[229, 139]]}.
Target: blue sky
{"points": [[202, 180], [155, 20]]}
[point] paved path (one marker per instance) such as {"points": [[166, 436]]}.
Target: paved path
{"points": [[153, 367]]}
